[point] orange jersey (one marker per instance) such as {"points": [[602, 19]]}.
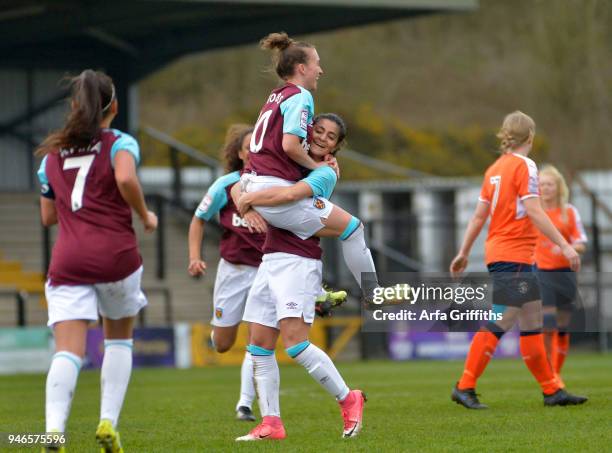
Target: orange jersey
{"points": [[512, 237], [548, 255]]}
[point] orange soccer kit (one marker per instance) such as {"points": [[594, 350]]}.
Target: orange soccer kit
{"points": [[510, 248], [557, 281]]}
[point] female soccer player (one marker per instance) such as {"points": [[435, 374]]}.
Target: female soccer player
{"points": [[241, 251], [557, 281], [280, 204], [240, 257], [329, 132], [90, 186], [510, 197], [279, 157], [280, 301]]}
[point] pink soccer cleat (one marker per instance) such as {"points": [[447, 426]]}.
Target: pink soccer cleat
{"points": [[352, 412], [271, 428]]}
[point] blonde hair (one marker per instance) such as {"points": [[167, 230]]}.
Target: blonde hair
{"points": [[516, 130], [562, 189]]}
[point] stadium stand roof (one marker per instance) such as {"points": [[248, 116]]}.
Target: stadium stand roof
{"points": [[42, 39], [138, 37]]}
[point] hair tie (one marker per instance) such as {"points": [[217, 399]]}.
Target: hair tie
{"points": [[112, 98]]}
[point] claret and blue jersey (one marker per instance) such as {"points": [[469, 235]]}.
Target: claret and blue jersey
{"points": [[123, 141], [216, 197], [298, 112], [288, 110], [96, 242], [238, 245]]}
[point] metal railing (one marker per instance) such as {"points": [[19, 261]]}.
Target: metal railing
{"points": [[176, 149]]}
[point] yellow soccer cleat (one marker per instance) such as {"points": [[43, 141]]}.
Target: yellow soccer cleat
{"points": [[329, 300], [108, 438]]}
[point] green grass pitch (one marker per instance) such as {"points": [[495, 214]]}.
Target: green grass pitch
{"points": [[409, 409]]}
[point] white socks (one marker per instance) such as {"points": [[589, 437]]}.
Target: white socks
{"points": [[62, 379], [320, 367], [61, 382], [267, 383], [116, 370], [247, 386], [359, 260]]}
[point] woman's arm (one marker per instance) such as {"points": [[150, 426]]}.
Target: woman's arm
{"points": [[197, 266], [294, 149], [129, 187], [544, 224], [48, 212], [274, 196], [474, 228], [255, 222]]}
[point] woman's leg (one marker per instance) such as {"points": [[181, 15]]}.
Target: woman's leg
{"points": [[232, 285], [483, 346], [266, 375], [116, 366], [294, 332], [532, 346], [357, 255], [318, 364], [564, 317], [565, 303], [224, 337], [223, 340], [549, 314], [70, 339]]}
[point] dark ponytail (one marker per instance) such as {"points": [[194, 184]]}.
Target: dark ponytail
{"points": [[92, 93]]}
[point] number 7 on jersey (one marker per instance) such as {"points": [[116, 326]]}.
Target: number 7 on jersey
{"points": [[496, 181], [83, 163]]}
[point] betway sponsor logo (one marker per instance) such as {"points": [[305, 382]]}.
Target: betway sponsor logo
{"points": [[238, 221]]}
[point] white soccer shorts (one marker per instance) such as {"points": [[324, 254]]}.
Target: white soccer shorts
{"points": [[302, 218], [232, 286], [286, 286], [116, 300]]}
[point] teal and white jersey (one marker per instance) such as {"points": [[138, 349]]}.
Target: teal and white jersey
{"points": [[216, 197], [297, 111], [322, 181]]}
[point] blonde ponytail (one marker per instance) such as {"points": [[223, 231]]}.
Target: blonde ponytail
{"points": [[516, 130]]}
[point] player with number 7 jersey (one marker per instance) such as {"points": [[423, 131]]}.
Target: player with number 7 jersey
{"points": [[510, 198], [96, 242], [511, 180], [89, 187]]}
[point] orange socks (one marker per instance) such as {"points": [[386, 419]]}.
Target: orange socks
{"points": [[481, 350], [534, 355], [533, 352], [550, 343], [560, 348]]}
